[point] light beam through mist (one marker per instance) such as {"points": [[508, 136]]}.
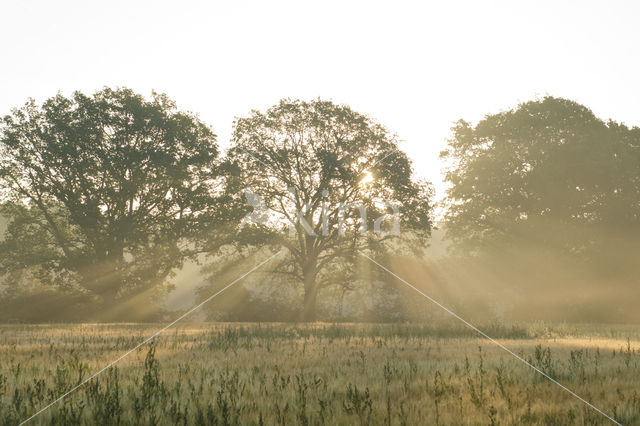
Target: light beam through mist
{"points": [[486, 336], [148, 339]]}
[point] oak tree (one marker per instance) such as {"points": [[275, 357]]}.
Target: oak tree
{"points": [[105, 192], [326, 183]]}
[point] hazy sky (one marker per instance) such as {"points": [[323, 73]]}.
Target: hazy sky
{"points": [[416, 68]]}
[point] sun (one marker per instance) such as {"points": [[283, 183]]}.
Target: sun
{"points": [[368, 177]]}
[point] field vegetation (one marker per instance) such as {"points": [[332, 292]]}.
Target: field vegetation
{"points": [[249, 373]]}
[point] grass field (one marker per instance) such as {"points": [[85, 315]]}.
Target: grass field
{"points": [[319, 374]]}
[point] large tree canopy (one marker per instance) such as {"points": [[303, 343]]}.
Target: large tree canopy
{"points": [[331, 182], [103, 191], [548, 173]]}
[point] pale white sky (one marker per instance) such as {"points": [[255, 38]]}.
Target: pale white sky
{"points": [[415, 67]]}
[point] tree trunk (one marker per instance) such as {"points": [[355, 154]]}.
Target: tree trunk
{"points": [[310, 292], [103, 278], [108, 310]]}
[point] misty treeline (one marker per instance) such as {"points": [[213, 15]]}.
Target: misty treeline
{"points": [[544, 212], [106, 197]]}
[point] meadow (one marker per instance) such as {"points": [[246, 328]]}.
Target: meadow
{"points": [[393, 374]]}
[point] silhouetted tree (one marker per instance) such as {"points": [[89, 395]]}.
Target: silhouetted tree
{"points": [[548, 173], [104, 192], [323, 174]]}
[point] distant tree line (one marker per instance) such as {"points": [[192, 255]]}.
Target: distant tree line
{"points": [[107, 196]]}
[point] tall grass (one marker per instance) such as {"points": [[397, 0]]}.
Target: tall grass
{"points": [[228, 374]]}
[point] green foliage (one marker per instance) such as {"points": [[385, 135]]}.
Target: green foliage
{"points": [[543, 209], [358, 402], [106, 399], [103, 191], [311, 158], [549, 174]]}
